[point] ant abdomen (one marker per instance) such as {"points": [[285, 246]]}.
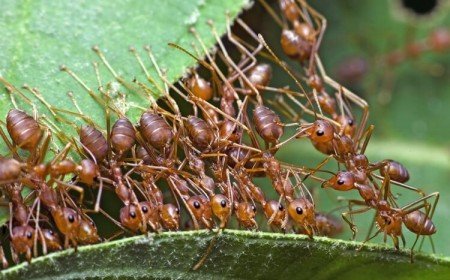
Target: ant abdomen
{"points": [[267, 124], [200, 132], [143, 155], [294, 46], [289, 43], [200, 87], [260, 75], [23, 129], [123, 135], [397, 171], [229, 130], [94, 142], [290, 10], [155, 130], [9, 169], [418, 222], [305, 31]]}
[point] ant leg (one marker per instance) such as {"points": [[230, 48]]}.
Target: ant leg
{"points": [[272, 12], [11, 147], [10, 88], [405, 186], [3, 258], [82, 83], [350, 223], [208, 251], [172, 102], [177, 191], [39, 96], [350, 95], [78, 189], [215, 68], [280, 63], [114, 221]]}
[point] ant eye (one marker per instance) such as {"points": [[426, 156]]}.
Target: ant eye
{"points": [[196, 204], [299, 210], [280, 207], [71, 218], [144, 209], [320, 132], [29, 235], [350, 122], [177, 210], [223, 203], [253, 208], [340, 182], [50, 232], [133, 214]]}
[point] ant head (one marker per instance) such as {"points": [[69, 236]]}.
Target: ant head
{"points": [[196, 205], [130, 217], [22, 238], [67, 220], [246, 210], [348, 125], [320, 131], [221, 208], [87, 232], [170, 216], [342, 181], [52, 240], [273, 206], [301, 211], [390, 223]]}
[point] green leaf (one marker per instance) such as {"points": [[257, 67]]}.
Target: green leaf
{"points": [[39, 36], [235, 254]]}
